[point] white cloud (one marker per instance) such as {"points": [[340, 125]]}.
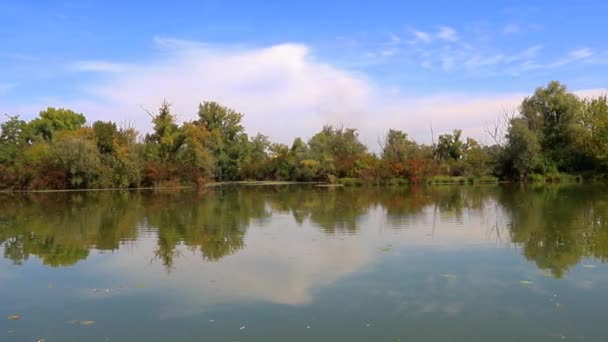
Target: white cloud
{"points": [[580, 54], [573, 56], [447, 33], [283, 90], [529, 53], [421, 36], [480, 61], [443, 33]]}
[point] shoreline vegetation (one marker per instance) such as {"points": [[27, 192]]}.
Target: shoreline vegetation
{"points": [[553, 137]]}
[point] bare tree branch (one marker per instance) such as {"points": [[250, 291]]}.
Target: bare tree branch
{"points": [[498, 129]]}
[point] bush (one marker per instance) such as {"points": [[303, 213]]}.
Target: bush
{"points": [[486, 180], [554, 177], [397, 181], [447, 180], [536, 178], [350, 181]]}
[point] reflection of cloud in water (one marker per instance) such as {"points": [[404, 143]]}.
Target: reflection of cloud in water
{"points": [[279, 265], [285, 263]]}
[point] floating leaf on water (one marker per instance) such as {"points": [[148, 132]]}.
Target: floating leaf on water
{"points": [[386, 248], [308, 327], [42, 340], [140, 286], [14, 317], [526, 282], [547, 273], [368, 325], [448, 275], [589, 266], [72, 321], [86, 322], [242, 328], [211, 320]]}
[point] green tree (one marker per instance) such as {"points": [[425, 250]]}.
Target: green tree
{"points": [[167, 137], [594, 139], [523, 151], [105, 133], [76, 153], [256, 161], [397, 150], [14, 136], [228, 139], [123, 166], [54, 120], [195, 160], [554, 115], [336, 149], [450, 146], [478, 159]]}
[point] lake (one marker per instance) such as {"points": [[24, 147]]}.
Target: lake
{"points": [[306, 263]]}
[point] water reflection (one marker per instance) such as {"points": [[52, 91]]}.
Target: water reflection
{"points": [[555, 226]]}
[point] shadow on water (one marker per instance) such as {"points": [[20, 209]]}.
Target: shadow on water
{"points": [[556, 226]]}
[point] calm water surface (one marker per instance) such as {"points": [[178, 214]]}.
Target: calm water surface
{"points": [[303, 263]]}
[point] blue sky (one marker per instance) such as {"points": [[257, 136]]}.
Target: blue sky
{"points": [[372, 64]]}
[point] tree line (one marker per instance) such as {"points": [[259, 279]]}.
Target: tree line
{"points": [[553, 133]]}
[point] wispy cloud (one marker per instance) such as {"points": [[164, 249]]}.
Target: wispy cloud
{"points": [[447, 63], [580, 54], [394, 39], [446, 48], [577, 55], [511, 28], [6, 87], [447, 33], [421, 36], [443, 33], [388, 52], [99, 66]]}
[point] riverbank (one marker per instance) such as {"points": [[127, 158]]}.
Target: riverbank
{"points": [[347, 182]]}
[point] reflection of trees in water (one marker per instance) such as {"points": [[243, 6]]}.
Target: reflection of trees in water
{"points": [[333, 210], [61, 228], [212, 223], [556, 226], [559, 225]]}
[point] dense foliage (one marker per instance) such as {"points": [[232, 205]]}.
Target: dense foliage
{"points": [[554, 132]]}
